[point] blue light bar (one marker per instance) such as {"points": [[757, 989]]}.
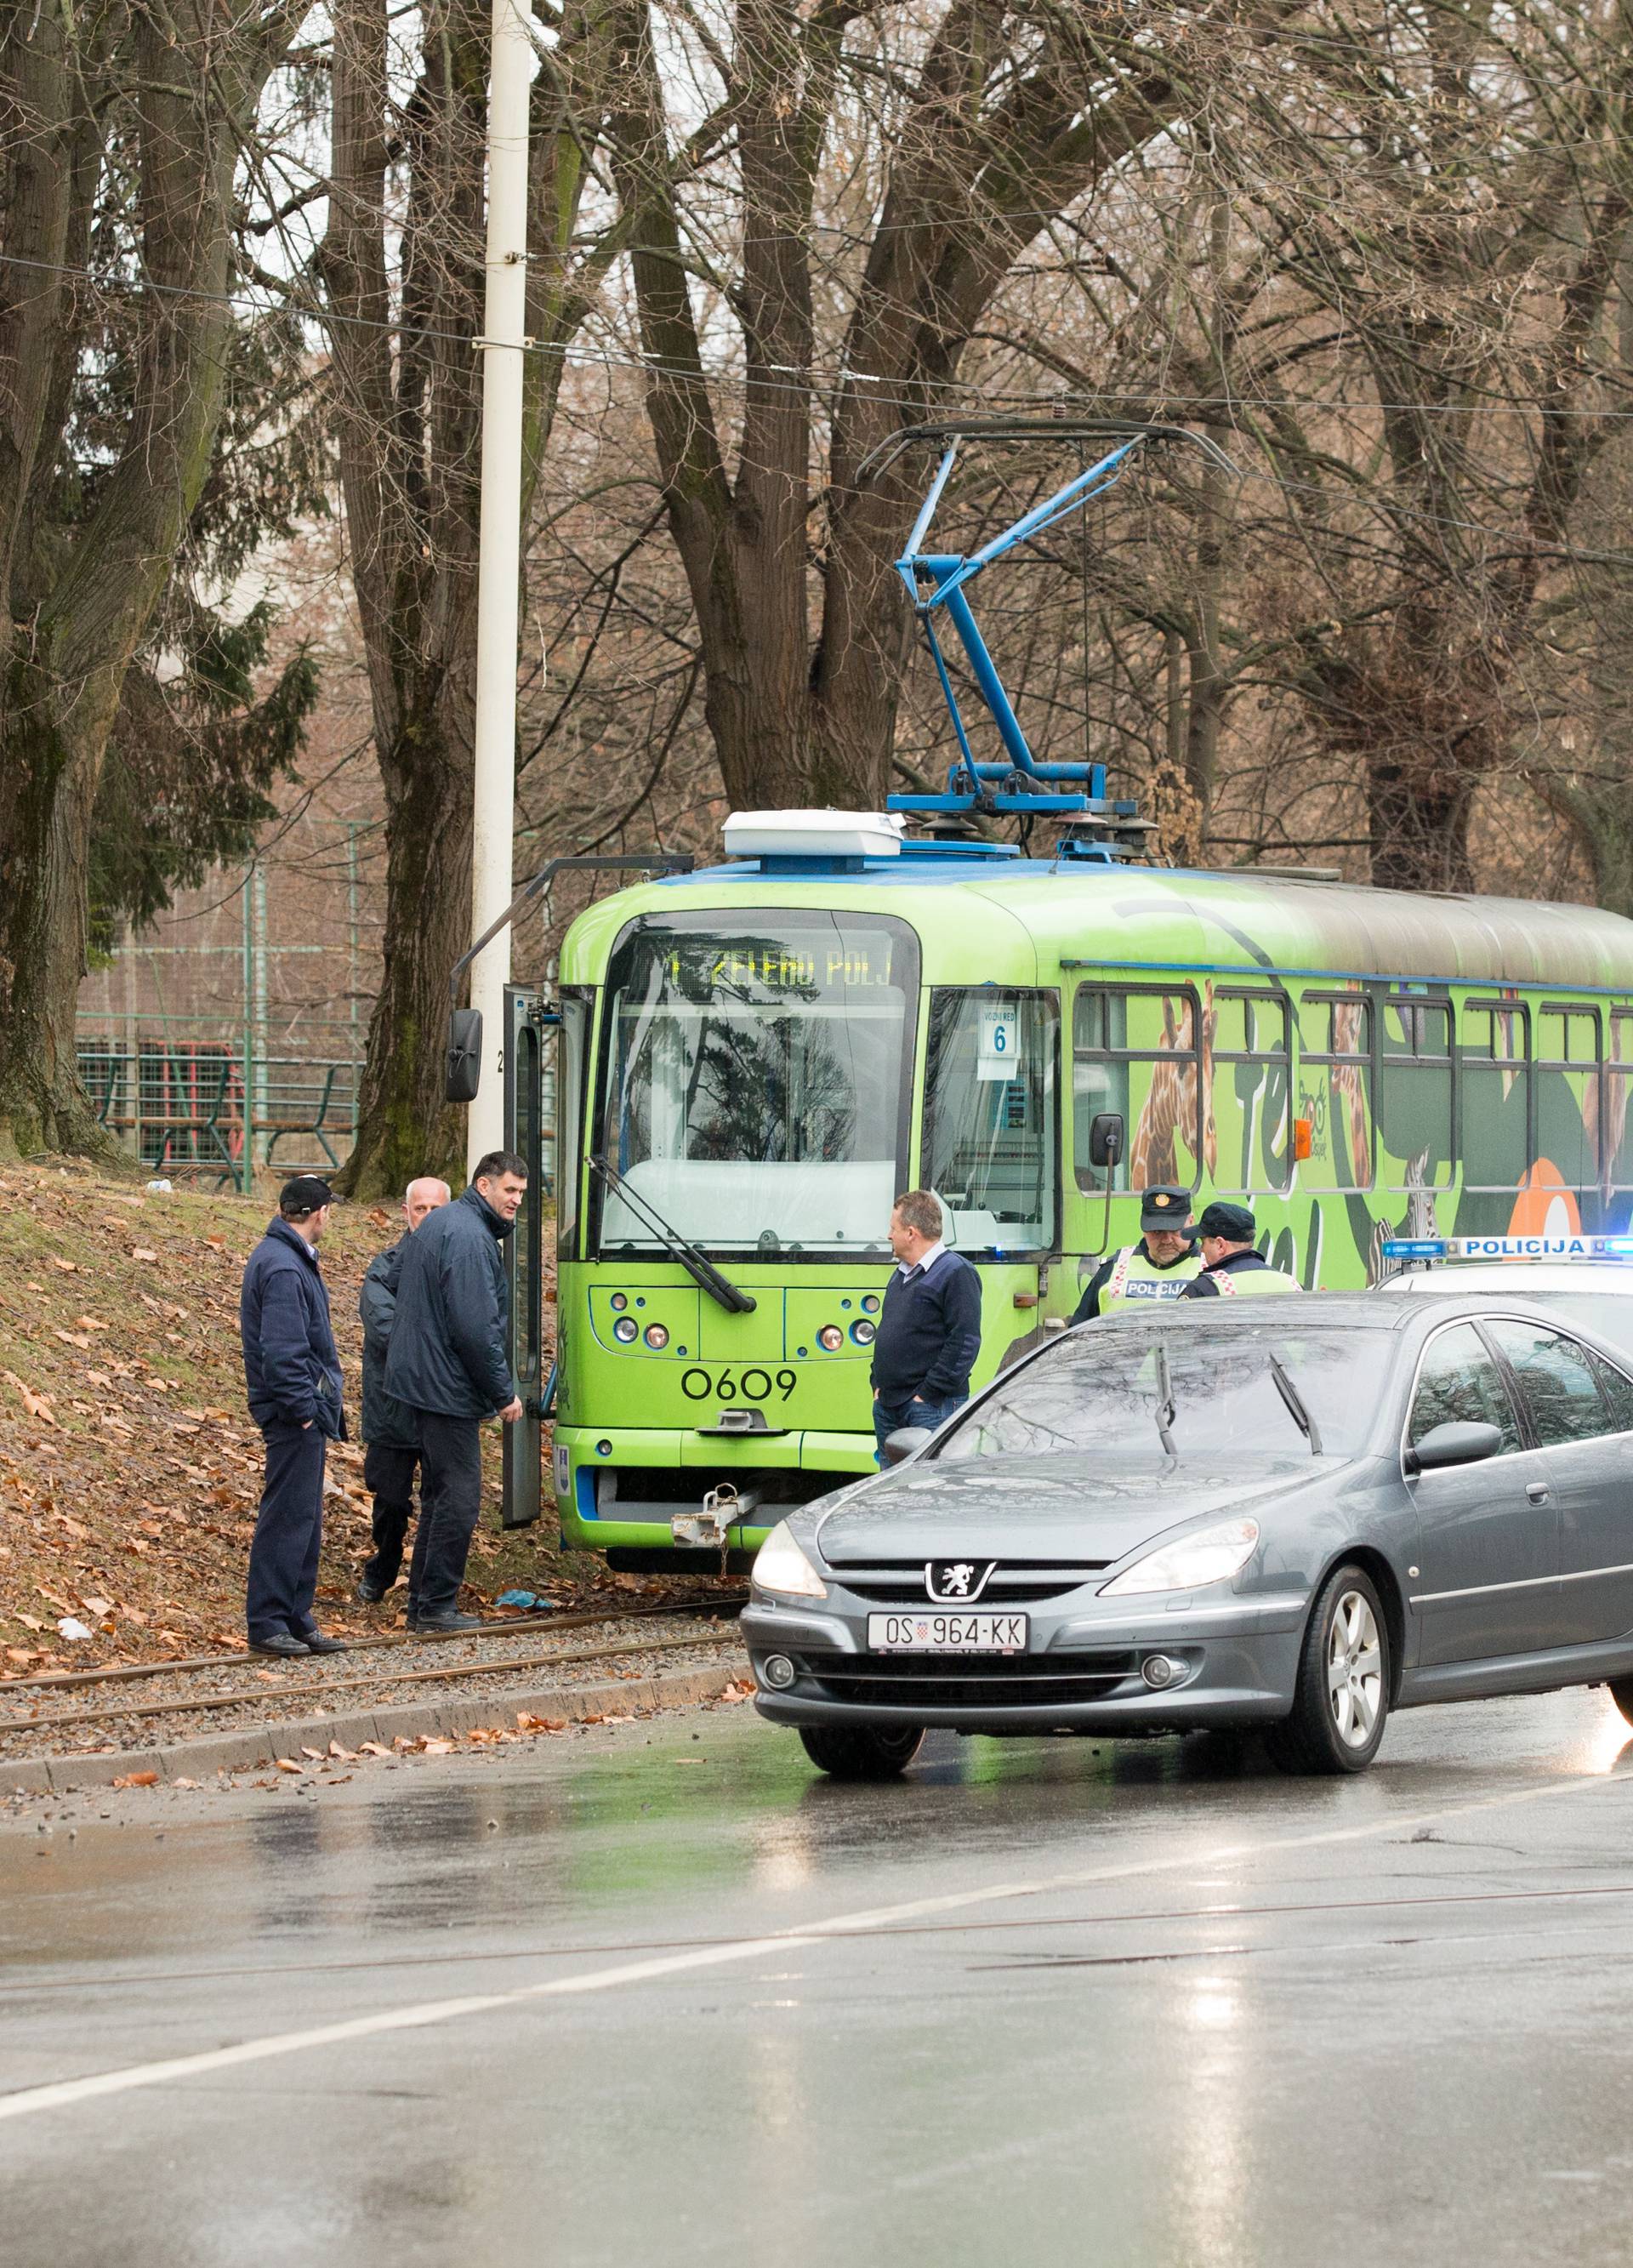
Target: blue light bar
{"points": [[1508, 1247]]}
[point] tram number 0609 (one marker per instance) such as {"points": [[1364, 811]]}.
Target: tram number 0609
{"points": [[753, 1385]]}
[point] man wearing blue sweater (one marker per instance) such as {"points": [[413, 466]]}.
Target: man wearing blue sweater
{"points": [[930, 1331]]}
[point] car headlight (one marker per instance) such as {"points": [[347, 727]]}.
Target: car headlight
{"points": [[1207, 1555], [780, 1565]]}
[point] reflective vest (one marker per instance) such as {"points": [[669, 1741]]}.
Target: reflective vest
{"points": [[1253, 1283], [1135, 1279]]}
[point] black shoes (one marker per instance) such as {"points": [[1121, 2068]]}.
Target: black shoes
{"points": [[448, 1619], [369, 1591], [283, 1646], [316, 1642]]}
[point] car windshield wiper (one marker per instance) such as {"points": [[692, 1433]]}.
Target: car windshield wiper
{"points": [[1166, 1411], [720, 1288], [1296, 1410]]}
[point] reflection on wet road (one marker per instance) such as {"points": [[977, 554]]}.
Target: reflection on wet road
{"points": [[664, 1996]]}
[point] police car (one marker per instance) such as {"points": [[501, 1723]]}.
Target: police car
{"points": [[1589, 1277]]}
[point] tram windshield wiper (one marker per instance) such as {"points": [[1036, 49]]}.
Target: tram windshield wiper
{"points": [[1296, 1410], [1167, 1411], [720, 1288]]}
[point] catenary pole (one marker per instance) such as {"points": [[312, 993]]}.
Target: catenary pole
{"points": [[502, 346]]}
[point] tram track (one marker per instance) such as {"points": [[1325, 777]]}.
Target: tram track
{"points": [[510, 1626], [190, 1704]]}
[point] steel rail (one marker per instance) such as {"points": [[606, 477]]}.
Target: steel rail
{"points": [[189, 1703], [64, 1680]]}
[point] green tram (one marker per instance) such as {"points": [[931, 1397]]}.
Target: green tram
{"points": [[754, 1059]]}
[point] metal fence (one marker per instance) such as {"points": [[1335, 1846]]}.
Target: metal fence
{"points": [[206, 1107]]}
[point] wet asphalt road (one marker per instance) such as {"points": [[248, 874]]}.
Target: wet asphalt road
{"points": [[686, 2002]]}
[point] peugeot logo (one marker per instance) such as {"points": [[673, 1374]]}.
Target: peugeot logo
{"points": [[956, 1582]]}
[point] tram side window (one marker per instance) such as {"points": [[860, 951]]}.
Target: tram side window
{"points": [[1335, 1090], [1567, 1091], [1617, 1140], [1135, 1051], [1249, 1086], [990, 1141], [1496, 1094], [1414, 1095]]}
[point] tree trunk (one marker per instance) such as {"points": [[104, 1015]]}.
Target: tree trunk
{"points": [[85, 587], [404, 1127]]}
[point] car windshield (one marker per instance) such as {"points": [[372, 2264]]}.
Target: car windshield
{"points": [[753, 1088], [1100, 1394]]}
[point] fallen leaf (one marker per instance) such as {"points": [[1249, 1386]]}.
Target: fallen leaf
{"points": [[67, 1266], [436, 1748], [141, 1252], [315, 1754], [38, 1405], [288, 1765], [97, 1607], [138, 1779], [346, 1756], [73, 1339], [31, 1622], [373, 1749], [217, 1243], [184, 1783]]}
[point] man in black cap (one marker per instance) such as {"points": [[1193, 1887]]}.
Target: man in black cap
{"points": [[1231, 1267], [293, 1376], [1159, 1267]]}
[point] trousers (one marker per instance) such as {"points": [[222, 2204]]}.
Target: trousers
{"points": [[889, 1416], [288, 1532], [449, 1500], [388, 1475]]}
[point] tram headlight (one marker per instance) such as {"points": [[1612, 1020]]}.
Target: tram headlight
{"points": [[782, 1567], [831, 1337], [618, 1303], [863, 1333], [626, 1328], [657, 1337]]}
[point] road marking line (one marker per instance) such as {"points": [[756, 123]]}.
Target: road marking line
{"points": [[59, 2093]]}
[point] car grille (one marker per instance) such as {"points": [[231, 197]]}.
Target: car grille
{"points": [[1013, 1583], [931, 1681]]}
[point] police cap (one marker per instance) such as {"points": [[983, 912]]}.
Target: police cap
{"points": [[1232, 1222], [1165, 1207]]}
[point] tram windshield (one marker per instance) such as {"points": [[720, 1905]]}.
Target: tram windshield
{"points": [[753, 1086]]}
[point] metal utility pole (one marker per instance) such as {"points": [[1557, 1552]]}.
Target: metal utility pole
{"points": [[503, 345]]}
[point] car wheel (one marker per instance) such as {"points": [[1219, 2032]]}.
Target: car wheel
{"points": [[1342, 1698], [1621, 1694], [858, 1752]]}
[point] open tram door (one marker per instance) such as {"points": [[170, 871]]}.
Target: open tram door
{"points": [[544, 1044]]}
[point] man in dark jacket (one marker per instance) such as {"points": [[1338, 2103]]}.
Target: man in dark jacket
{"points": [[929, 1331], [448, 1360], [391, 1439], [292, 1373], [1231, 1267]]}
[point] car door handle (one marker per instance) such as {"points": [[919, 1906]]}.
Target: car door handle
{"points": [[1537, 1490]]}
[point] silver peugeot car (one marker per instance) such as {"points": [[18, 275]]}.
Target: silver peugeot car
{"points": [[1293, 1515]]}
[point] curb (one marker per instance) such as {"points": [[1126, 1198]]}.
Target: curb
{"points": [[252, 1745]]}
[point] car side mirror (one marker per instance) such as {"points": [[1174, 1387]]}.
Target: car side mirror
{"points": [[1455, 1443], [1105, 1138], [905, 1442], [464, 1072]]}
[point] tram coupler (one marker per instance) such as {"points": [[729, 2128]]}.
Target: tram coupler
{"points": [[708, 1529]]}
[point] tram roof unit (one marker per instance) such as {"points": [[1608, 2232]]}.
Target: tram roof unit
{"points": [[1076, 911]]}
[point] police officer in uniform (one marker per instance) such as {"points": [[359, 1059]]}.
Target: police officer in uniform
{"points": [[1231, 1267], [1159, 1267]]}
